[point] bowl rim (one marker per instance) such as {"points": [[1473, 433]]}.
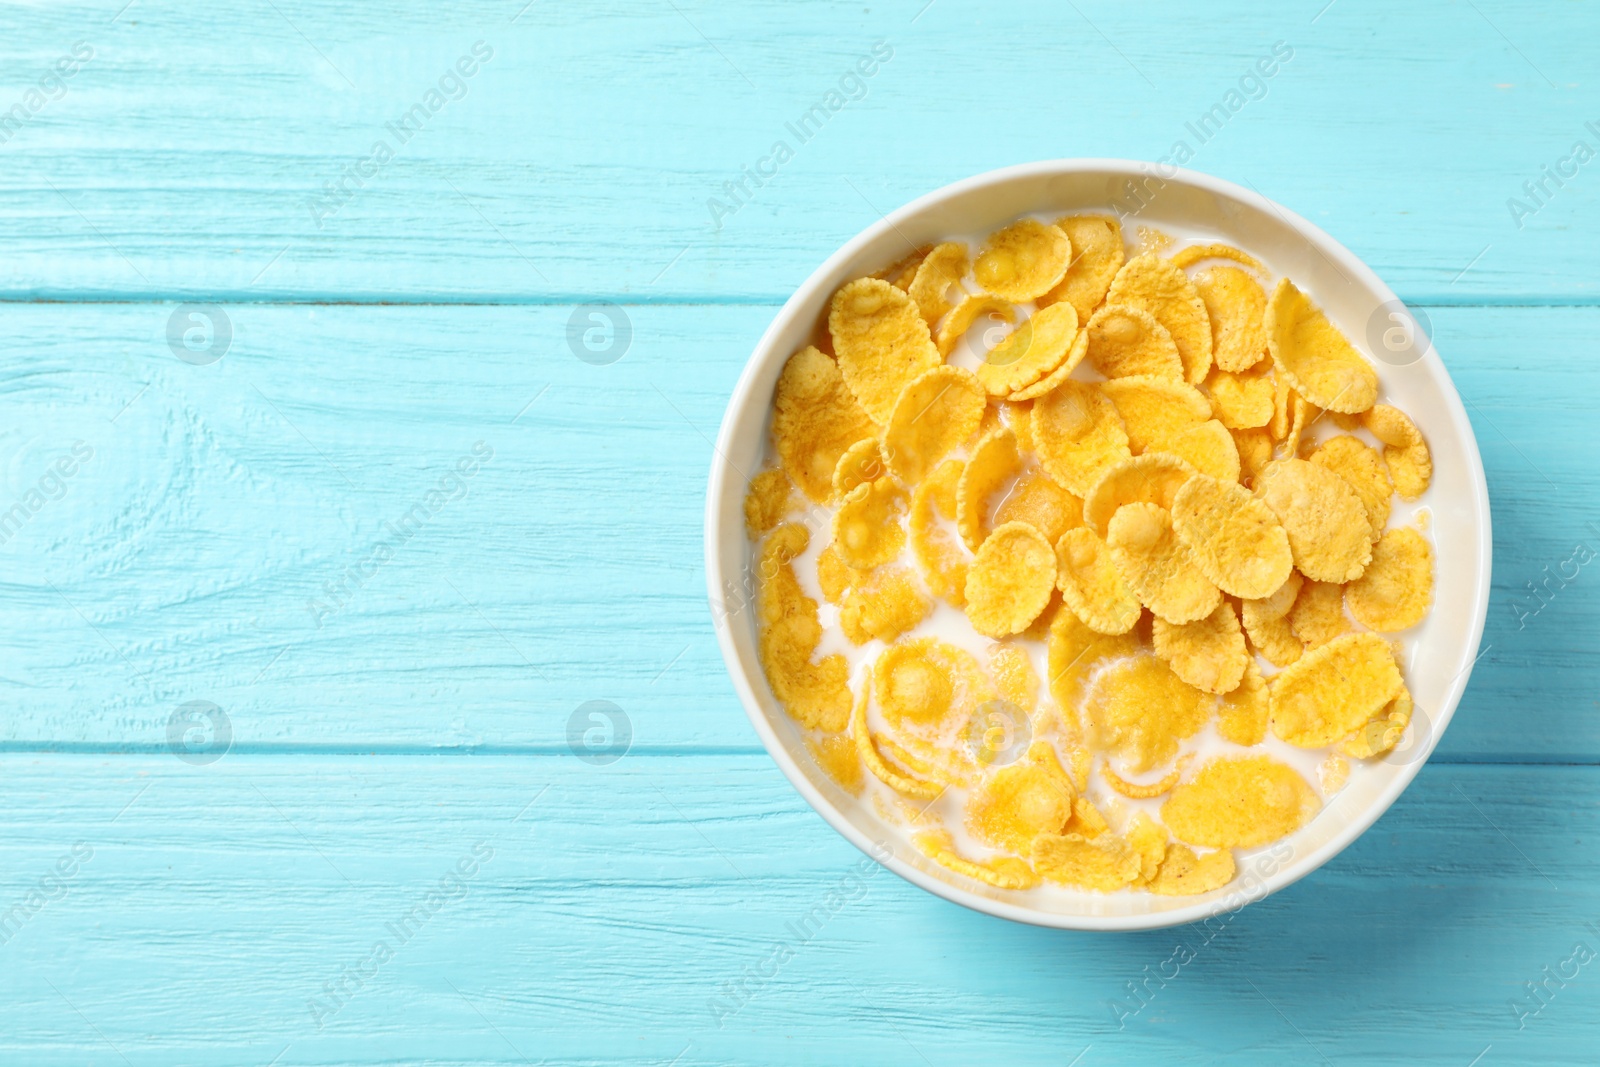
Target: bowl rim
{"points": [[763, 352]]}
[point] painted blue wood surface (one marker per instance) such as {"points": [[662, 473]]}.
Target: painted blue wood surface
{"points": [[386, 724]]}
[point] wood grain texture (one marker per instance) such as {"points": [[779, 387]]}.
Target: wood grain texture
{"points": [[608, 920], [580, 159], [192, 557]]}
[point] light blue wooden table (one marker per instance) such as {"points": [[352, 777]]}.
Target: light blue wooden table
{"points": [[393, 212]]}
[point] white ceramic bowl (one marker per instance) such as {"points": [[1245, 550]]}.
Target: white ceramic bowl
{"points": [[1440, 652]]}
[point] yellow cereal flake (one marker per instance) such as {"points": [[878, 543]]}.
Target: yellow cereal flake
{"points": [[1002, 872], [872, 759], [943, 267], [1010, 580], [1184, 874], [1270, 635], [1023, 261], [1086, 820], [1208, 448], [966, 314], [1327, 524], [1012, 670], [1149, 839], [1316, 360], [815, 418], [1304, 415], [934, 414], [1242, 715], [1359, 464], [1097, 255], [1157, 566], [1405, 451], [1237, 306], [1236, 540], [1153, 478], [926, 687], [1155, 409], [816, 695], [1383, 732], [1073, 654], [1018, 802], [900, 273], [1282, 407], [1106, 863], [1241, 401], [1037, 500], [1078, 435], [882, 342], [1332, 690], [1019, 417], [941, 558], [1188, 257], [994, 466], [867, 529], [1396, 589], [1153, 240], [1092, 585], [1239, 802], [768, 501], [861, 462], [1128, 341], [1277, 603], [884, 606], [1332, 774], [1030, 352], [836, 754], [1156, 286], [1136, 791], [835, 576], [1052, 381], [1255, 452], [1208, 653], [1139, 711], [1318, 614]]}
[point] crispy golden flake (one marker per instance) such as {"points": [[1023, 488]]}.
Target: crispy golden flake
{"points": [[1239, 802], [1236, 306], [1139, 711], [1359, 464], [1037, 500], [769, 500], [882, 342], [1318, 614], [1207, 447], [1078, 435], [943, 268], [1405, 451], [1035, 349], [995, 312], [1010, 580], [816, 694], [1184, 874], [815, 419], [1002, 872], [1396, 590], [1023, 261], [993, 467], [1097, 255], [1128, 341], [1242, 716], [933, 415], [883, 606], [1327, 524], [1316, 360], [1188, 257], [861, 462], [1156, 286], [1092, 585], [1236, 540], [867, 528], [1105, 863], [940, 556], [1332, 690], [1153, 478], [1052, 381], [1157, 566], [1208, 653], [1022, 800], [836, 754], [1241, 401], [1155, 409]]}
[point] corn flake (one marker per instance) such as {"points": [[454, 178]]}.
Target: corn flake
{"points": [[1097, 255], [1327, 524], [1073, 654], [1135, 791], [1405, 451], [1208, 448], [1092, 585], [883, 606], [861, 462], [1140, 711], [1106, 863], [1332, 690], [882, 341], [1010, 580], [1236, 540], [836, 754], [944, 266], [815, 419], [1128, 341], [1155, 409], [768, 501], [1184, 874], [1188, 257], [1237, 306], [1152, 478], [1239, 802], [1241, 401], [934, 414], [1037, 500], [1318, 614], [994, 465], [1359, 464], [1030, 352], [1381, 734], [1208, 653], [816, 694], [1019, 802], [867, 529], [1270, 635], [1078, 435], [1157, 566], [1396, 590], [1242, 715], [1156, 286], [941, 558], [967, 313], [1316, 360], [1052, 381], [1023, 261], [1002, 872]]}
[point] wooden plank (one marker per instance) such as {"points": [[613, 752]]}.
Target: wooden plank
{"points": [[581, 159], [604, 924], [192, 557]]}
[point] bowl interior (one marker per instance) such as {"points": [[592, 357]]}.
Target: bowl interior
{"points": [[1438, 653]]}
